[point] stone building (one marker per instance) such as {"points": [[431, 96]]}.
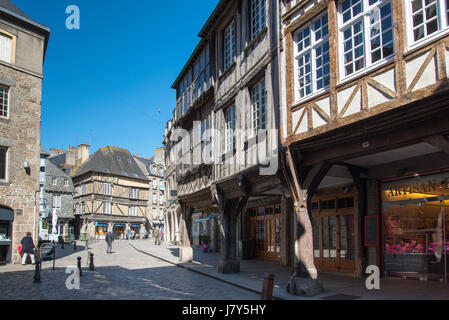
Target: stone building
{"points": [[23, 44], [366, 127], [226, 132], [172, 207], [59, 193], [154, 169], [111, 194]]}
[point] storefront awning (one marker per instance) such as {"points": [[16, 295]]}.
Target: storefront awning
{"points": [[209, 217], [6, 214], [119, 225], [135, 225], [98, 224]]}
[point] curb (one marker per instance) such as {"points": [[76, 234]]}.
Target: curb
{"points": [[203, 273]]}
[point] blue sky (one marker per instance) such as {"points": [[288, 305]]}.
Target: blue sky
{"points": [[104, 84]]}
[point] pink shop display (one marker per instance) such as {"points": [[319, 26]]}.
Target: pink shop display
{"points": [[412, 247]]}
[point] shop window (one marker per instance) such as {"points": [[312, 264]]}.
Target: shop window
{"points": [[261, 211], [316, 237], [346, 203], [314, 205], [327, 204]]}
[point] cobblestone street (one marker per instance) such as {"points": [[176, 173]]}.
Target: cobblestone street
{"points": [[126, 274]]}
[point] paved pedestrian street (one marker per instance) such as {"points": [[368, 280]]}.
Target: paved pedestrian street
{"points": [[126, 274]]}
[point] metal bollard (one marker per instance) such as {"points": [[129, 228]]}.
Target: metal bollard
{"points": [[37, 273], [91, 264], [62, 244], [74, 245], [267, 287], [79, 266]]}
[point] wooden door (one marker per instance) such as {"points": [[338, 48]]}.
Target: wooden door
{"points": [[333, 234]]}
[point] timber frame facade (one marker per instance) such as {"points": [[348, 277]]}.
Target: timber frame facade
{"points": [[375, 120], [240, 91], [111, 194]]}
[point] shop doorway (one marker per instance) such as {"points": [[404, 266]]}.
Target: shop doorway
{"points": [[265, 231], [416, 238], [119, 231], [334, 233]]}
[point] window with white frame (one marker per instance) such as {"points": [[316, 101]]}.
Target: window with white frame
{"points": [[83, 207], [66, 182], [312, 58], [229, 117], [54, 181], [4, 102], [107, 188], [229, 46], [258, 107], [154, 184], [185, 92], [426, 17], [77, 208], [107, 208], [5, 47], [257, 19], [133, 211], [3, 163], [56, 201], [161, 199], [201, 73], [154, 198], [161, 214], [366, 27], [134, 193], [82, 188]]}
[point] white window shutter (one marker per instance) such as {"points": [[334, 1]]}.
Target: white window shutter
{"points": [[5, 48]]}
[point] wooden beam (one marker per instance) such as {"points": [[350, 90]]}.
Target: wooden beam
{"points": [[440, 142]]}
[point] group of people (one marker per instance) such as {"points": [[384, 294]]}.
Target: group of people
{"points": [[29, 249]]}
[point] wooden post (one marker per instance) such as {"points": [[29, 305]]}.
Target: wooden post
{"points": [[267, 287]]}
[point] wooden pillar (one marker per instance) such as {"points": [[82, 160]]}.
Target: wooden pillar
{"points": [[228, 262], [186, 250], [303, 281]]}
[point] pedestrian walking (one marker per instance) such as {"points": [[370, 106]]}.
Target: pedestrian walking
{"points": [[144, 234], [133, 235], [109, 240], [157, 235], [28, 248]]}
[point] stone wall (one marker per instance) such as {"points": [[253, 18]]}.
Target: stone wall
{"points": [[21, 134]]}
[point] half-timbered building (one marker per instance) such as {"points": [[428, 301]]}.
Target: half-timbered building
{"points": [[225, 126], [111, 195], [367, 134]]}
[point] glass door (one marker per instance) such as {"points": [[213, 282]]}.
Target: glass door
{"points": [[415, 240]]}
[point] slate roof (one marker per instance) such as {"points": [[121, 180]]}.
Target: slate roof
{"points": [[52, 171], [60, 161], [147, 163], [12, 7], [43, 151], [114, 161]]}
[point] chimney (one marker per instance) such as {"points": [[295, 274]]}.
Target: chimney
{"points": [[83, 152], [159, 156]]}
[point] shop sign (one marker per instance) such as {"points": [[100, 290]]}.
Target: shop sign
{"points": [[423, 186]]}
